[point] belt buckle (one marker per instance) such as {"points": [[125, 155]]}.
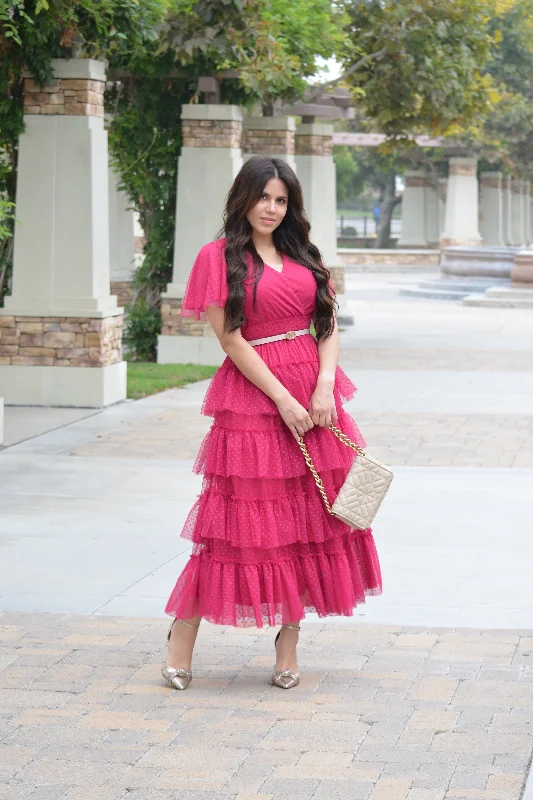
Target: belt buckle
{"points": [[290, 335]]}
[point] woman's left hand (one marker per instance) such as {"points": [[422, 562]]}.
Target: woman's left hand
{"points": [[322, 408]]}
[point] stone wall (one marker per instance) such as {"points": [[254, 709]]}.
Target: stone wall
{"points": [[268, 142], [123, 290], [175, 325], [368, 256], [75, 97], [211, 133], [337, 279], [60, 341], [313, 145]]}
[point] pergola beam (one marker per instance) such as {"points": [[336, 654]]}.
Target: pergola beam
{"points": [[375, 139]]}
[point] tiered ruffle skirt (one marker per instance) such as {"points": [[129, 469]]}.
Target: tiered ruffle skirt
{"points": [[265, 548]]}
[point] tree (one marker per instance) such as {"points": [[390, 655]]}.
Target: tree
{"points": [[416, 67], [349, 181], [164, 46], [505, 134], [272, 45], [267, 45], [34, 32]]}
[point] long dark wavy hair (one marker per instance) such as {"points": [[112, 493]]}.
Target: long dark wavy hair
{"points": [[291, 238]]}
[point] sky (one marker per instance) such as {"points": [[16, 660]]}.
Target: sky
{"points": [[328, 70]]}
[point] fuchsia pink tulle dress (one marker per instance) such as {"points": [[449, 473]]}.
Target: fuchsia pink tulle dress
{"points": [[265, 548]]}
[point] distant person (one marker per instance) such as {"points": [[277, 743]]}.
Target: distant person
{"points": [[265, 549], [377, 215]]}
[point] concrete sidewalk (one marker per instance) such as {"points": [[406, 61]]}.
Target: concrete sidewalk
{"points": [[426, 693]]}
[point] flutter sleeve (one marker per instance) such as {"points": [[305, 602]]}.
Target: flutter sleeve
{"points": [[207, 284]]}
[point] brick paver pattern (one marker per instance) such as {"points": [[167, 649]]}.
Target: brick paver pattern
{"points": [[484, 440], [381, 713]]}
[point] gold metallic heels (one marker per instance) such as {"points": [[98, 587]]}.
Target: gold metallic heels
{"points": [[177, 678], [285, 678]]}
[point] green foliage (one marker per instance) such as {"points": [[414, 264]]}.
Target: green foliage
{"points": [[417, 66], [507, 133], [143, 324], [272, 49], [32, 33], [145, 142], [273, 44], [7, 221], [349, 183]]}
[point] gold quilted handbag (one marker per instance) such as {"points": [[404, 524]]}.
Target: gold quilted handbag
{"points": [[362, 492]]}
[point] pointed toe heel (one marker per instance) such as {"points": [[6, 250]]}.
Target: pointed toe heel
{"points": [[178, 678], [285, 678]]}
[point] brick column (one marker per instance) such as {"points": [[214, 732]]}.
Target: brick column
{"points": [[491, 208], [461, 225], [209, 162], [61, 330], [316, 172], [122, 256], [269, 136]]}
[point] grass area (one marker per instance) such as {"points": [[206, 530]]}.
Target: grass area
{"points": [[148, 378]]}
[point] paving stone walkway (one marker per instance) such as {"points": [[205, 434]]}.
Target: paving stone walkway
{"points": [[381, 713], [486, 440]]}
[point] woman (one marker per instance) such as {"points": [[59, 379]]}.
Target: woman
{"points": [[265, 549]]}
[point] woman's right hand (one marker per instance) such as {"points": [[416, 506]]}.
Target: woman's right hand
{"points": [[295, 416]]}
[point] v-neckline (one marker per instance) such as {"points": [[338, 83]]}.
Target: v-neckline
{"points": [[279, 271]]}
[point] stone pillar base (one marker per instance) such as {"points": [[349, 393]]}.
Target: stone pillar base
{"points": [[123, 290], [204, 350], [62, 361], [1, 421], [522, 270], [60, 341], [344, 317], [185, 340], [77, 387], [460, 243]]}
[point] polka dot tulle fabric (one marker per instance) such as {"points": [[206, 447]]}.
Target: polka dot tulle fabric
{"points": [[265, 549]]}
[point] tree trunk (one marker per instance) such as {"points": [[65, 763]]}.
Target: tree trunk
{"points": [[388, 204]]}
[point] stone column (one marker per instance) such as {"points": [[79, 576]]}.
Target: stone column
{"points": [[414, 210], [316, 173], [443, 183], [269, 136], [526, 212], [61, 330], [507, 210], [435, 193], [491, 209], [209, 162], [530, 213], [517, 217], [1, 419], [461, 226], [121, 240]]}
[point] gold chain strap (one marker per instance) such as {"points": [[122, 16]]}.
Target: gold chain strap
{"points": [[309, 461]]}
